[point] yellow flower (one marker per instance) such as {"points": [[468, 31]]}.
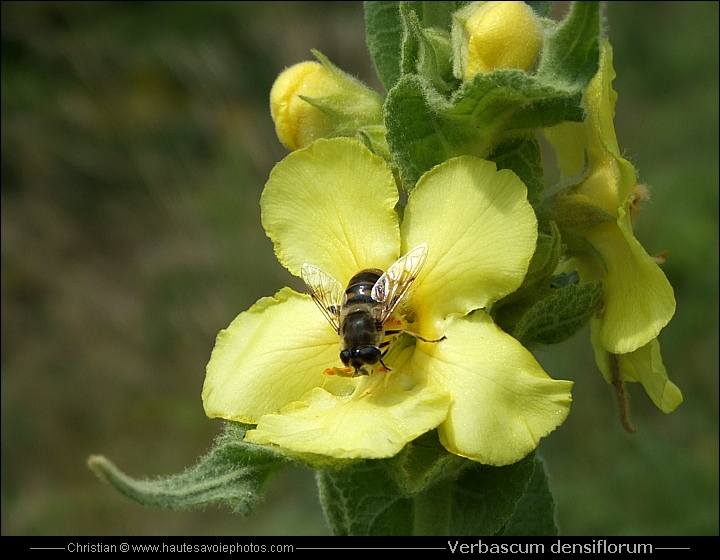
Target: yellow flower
{"points": [[644, 366], [638, 300], [312, 100], [491, 35], [333, 205]]}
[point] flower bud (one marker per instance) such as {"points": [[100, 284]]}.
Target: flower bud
{"points": [[312, 100], [490, 35]]}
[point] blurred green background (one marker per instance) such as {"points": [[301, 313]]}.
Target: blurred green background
{"points": [[136, 140]]}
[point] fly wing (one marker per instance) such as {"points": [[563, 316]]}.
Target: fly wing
{"points": [[392, 286], [327, 293]]}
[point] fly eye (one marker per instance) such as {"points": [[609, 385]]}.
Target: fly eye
{"points": [[358, 357]]}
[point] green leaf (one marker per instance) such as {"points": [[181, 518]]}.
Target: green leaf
{"points": [[535, 513], [559, 315], [423, 463], [412, 130], [410, 51], [510, 310], [538, 279], [426, 45], [436, 14], [546, 257], [365, 499], [424, 129], [541, 8], [484, 497], [383, 35], [427, 51], [571, 53], [522, 155], [374, 139], [547, 308], [515, 102], [362, 499], [232, 473]]}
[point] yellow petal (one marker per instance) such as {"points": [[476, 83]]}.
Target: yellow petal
{"points": [[603, 184], [638, 299], [599, 100], [364, 418], [269, 356], [569, 140], [481, 232], [644, 366], [610, 178], [332, 205], [502, 400]]}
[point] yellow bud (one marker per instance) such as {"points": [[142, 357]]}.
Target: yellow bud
{"points": [[312, 100], [298, 123], [498, 35]]}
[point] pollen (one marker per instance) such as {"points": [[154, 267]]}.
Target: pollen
{"points": [[340, 372]]}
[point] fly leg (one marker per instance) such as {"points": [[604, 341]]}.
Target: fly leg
{"points": [[414, 335], [386, 345]]}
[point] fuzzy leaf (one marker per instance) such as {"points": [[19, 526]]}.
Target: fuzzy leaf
{"points": [[484, 497], [571, 53], [383, 35], [427, 50], [364, 499], [537, 281], [424, 129], [232, 473], [541, 8], [522, 155], [535, 514], [560, 315], [436, 14], [546, 257], [422, 463]]}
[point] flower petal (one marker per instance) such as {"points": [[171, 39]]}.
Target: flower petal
{"points": [[363, 418], [502, 400], [610, 177], [332, 205], [481, 233], [639, 300], [270, 355], [644, 366], [600, 99], [569, 141]]}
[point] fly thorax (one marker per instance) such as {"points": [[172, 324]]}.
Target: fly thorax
{"points": [[360, 327]]}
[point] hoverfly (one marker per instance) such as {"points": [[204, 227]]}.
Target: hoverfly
{"points": [[359, 312]]}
